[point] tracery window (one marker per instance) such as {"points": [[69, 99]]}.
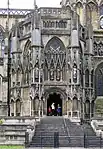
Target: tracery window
{"points": [[98, 48], [99, 80], [92, 12], [26, 61], [79, 7], [55, 55]]}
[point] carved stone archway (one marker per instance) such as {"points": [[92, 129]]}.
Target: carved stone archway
{"points": [[57, 91]]}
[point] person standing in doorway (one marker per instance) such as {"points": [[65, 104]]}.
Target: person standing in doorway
{"points": [[53, 108], [49, 111], [58, 110]]}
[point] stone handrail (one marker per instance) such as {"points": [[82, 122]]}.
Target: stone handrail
{"points": [[65, 125], [30, 133], [15, 120], [96, 128]]}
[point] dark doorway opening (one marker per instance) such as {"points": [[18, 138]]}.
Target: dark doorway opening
{"points": [[54, 98]]}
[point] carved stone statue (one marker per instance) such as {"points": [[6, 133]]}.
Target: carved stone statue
{"points": [[58, 74], [36, 73], [75, 73], [51, 74]]}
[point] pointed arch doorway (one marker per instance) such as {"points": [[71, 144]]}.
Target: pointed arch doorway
{"points": [[57, 100]]}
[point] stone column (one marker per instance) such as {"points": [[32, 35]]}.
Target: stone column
{"points": [[48, 75], [30, 106], [98, 17], [0, 88], [79, 108], [61, 75], [67, 106], [84, 14], [55, 73], [90, 110], [21, 108], [14, 108], [64, 107], [71, 108], [1, 49], [42, 108]]}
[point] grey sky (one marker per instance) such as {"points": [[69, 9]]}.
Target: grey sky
{"points": [[29, 3]]}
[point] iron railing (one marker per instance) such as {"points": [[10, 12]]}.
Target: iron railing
{"points": [[55, 140]]}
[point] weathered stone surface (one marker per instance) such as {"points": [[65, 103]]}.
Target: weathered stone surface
{"points": [[64, 46]]}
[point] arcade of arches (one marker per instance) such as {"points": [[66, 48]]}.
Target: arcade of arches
{"points": [[15, 107]]}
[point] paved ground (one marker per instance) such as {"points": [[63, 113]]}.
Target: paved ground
{"points": [[62, 148]]}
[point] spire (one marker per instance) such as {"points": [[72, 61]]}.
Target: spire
{"points": [[35, 5], [35, 20], [16, 27], [63, 2], [67, 2], [8, 12]]}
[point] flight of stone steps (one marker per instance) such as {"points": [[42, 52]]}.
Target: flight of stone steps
{"points": [[91, 139], [44, 135], [76, 134], [70, 134]]}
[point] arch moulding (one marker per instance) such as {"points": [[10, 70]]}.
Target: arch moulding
{"points": [[52, 90]]}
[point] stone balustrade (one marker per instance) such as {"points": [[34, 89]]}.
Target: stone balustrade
{"points": [[50, 11], [96, 128], [13, 129]]}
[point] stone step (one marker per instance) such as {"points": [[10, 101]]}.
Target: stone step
{"points": [[44, 134]]}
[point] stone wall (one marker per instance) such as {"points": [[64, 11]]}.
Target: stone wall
{"points": [[12, 130]]}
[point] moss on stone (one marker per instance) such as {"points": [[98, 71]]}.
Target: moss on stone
{"points": [[11, 147], [99, 105]]}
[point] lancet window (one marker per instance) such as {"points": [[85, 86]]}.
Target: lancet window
{"points": [[26, 61], [87, 78], [98, 49], [92, 13], [99, 80], [2, 43]]}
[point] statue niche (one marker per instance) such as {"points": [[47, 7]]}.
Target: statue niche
{"points": [[36, 72], [75, 73], [52, 74], [58, 74]]}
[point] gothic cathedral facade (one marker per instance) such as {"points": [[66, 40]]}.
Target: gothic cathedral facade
{"points": [[56, 57]]}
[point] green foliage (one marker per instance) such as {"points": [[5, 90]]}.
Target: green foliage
{"points": [[1, 121], [99, 105], [10, 147]]}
